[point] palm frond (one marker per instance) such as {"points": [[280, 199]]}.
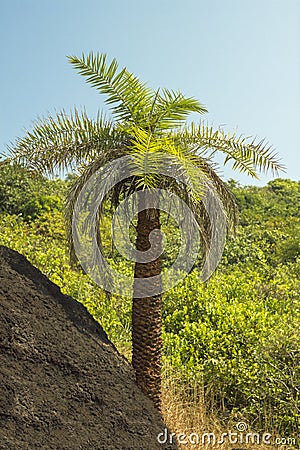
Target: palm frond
{"points": [[87, 172], [247, 155], [65, 141], [130, 97], [171, 109], [223, 192], [152, 154]]}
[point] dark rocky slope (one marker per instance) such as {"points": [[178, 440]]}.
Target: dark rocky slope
{"points": [[63, 384]]}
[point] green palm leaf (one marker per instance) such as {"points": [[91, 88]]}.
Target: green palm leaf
{"points": [[247, 155], [130, 97], [171, 109], [65, 141]]}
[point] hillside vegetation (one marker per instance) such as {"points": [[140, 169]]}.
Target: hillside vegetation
{"points": [[236, 338]]}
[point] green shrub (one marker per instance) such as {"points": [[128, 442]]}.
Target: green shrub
{"points": [[27, 194]]}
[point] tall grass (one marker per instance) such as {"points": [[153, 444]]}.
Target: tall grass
{"points": [[190, 417]]}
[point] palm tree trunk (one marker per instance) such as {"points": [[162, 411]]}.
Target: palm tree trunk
{"points": [[146, 315]]}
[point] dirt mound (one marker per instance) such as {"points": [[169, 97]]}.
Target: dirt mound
{"points": [[63, 384]]}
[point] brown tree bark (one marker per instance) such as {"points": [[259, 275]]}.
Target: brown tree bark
{"points": [[146, 314]]}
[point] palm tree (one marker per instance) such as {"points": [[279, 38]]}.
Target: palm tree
{"points": [[145, 123]]}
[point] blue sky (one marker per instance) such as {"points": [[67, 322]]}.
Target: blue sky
{"points": [[240, 58]]}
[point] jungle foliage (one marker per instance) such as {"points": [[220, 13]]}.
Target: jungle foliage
{"points": [[237, 335]]}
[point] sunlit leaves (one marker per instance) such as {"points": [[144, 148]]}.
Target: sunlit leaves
{"points": [[127, 96], [246, 153], [65, 141], [171, 109]]}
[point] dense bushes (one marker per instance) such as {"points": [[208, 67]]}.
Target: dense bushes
{"points": [[238, 334], [227, 334], [26, 193]]}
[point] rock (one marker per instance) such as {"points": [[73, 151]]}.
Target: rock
{"points": [[63, 384]]}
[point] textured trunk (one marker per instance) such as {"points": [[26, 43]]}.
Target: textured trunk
{"points": [[146, 315]]}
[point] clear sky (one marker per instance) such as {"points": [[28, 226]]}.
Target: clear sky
{"points": [[241, 58]]}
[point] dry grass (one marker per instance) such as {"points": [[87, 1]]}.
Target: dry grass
{"points": [[191, 416]]}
